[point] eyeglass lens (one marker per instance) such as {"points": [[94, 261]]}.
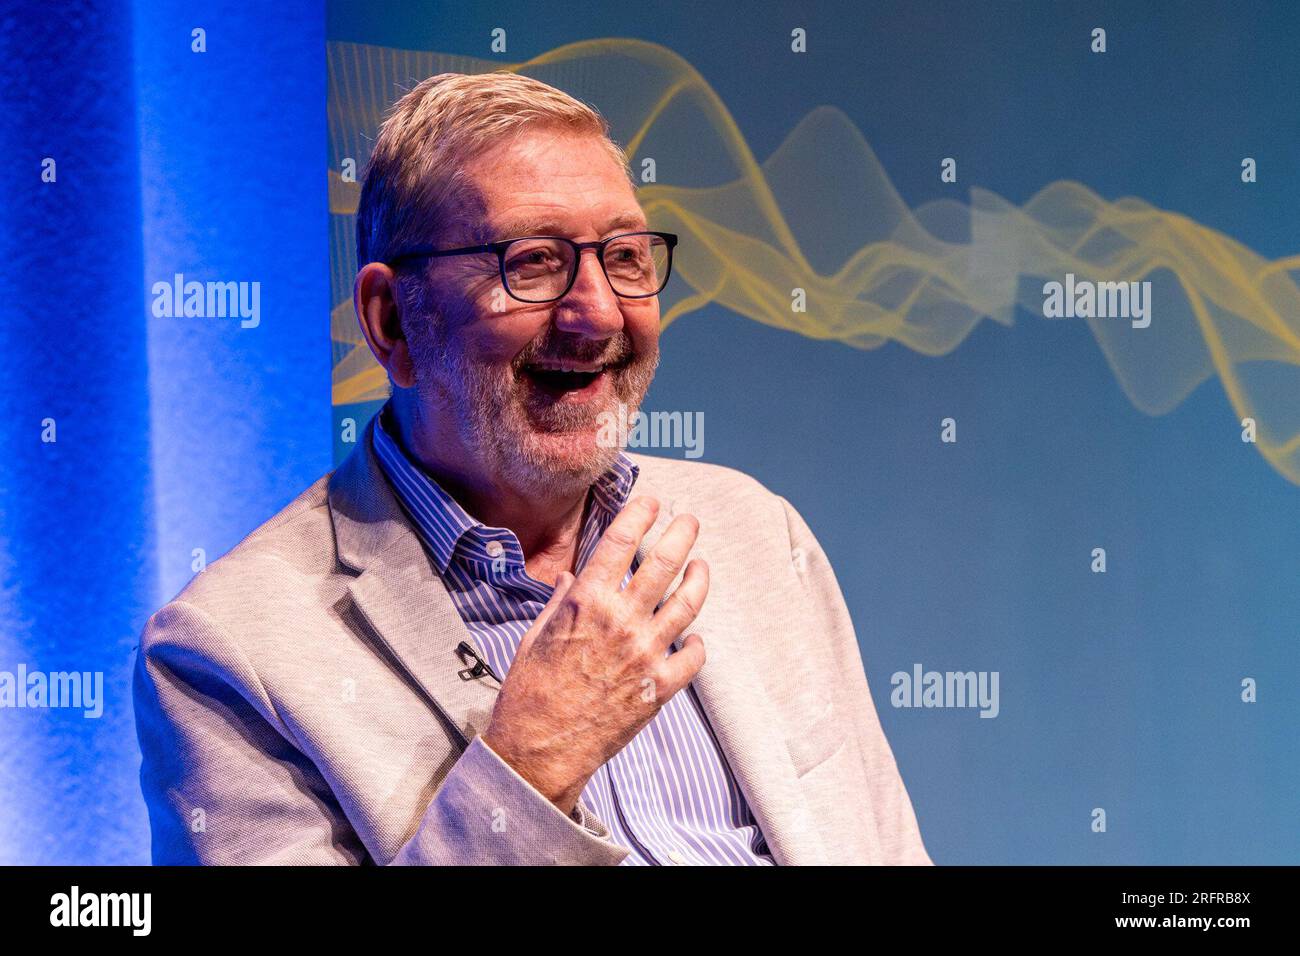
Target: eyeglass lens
{"points": [[538, 269]]}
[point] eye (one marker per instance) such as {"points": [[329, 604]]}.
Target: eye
{"points": [[628, 255], [534, 258]]}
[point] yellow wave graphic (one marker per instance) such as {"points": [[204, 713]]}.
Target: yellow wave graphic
{"points": [[821, 215]]}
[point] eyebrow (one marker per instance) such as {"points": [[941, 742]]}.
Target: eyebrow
{"points": [[512, 228]]}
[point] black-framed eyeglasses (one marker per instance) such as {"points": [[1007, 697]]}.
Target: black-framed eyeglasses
{"points": [[544, 268]]}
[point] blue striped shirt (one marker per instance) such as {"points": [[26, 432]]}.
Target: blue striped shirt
{"points": [[668, 796]]}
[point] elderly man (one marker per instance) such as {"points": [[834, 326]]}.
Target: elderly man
{"points": [[483, 638]]}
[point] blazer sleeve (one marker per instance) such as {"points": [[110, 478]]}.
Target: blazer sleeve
{"points": [[225, 782], [900, 837]]}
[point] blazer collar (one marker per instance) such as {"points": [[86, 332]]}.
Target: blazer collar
{"points": [[414, 624]]}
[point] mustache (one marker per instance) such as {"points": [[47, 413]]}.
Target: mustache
{"points": [[565, 346]]}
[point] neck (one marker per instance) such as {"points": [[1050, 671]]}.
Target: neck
{"points": [[546, 522]]}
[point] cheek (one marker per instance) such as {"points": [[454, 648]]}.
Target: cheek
{"points": [[642, 327], [496, 338]]}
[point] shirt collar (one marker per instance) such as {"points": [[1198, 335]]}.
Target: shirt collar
{"points": [[440, 520]]}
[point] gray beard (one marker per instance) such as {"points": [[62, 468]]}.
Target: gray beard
{"points": [[501, 421]]}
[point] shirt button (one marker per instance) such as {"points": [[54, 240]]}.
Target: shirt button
{"points": [[495, 549], [676, 857]]}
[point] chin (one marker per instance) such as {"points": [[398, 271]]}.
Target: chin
{"points": [[575, 455], [558, 463]]}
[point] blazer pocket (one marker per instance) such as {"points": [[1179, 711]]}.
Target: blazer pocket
{"points": [[818, 741]]}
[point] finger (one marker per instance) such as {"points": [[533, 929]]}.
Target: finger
{"points": [[617, 546], [681, 667], [663, 562], [684, 604]]}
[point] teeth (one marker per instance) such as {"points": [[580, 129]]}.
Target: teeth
{"points": [[567, 367]]}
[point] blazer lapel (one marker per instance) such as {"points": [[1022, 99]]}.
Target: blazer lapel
{"points": [[744, 719], [400, 595]]}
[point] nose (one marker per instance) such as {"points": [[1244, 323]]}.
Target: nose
{"points": [[590, 308]]}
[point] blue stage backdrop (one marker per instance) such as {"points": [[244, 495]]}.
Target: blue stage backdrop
{"points": [[174, 436], [1100, 512]]}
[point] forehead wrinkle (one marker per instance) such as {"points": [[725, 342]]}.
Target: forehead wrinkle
{"points": [[548, 226]]}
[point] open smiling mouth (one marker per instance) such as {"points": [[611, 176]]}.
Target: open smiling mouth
{"points": [[561, 379]]}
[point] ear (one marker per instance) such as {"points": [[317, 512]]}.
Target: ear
{"points": [[374, 296]]}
